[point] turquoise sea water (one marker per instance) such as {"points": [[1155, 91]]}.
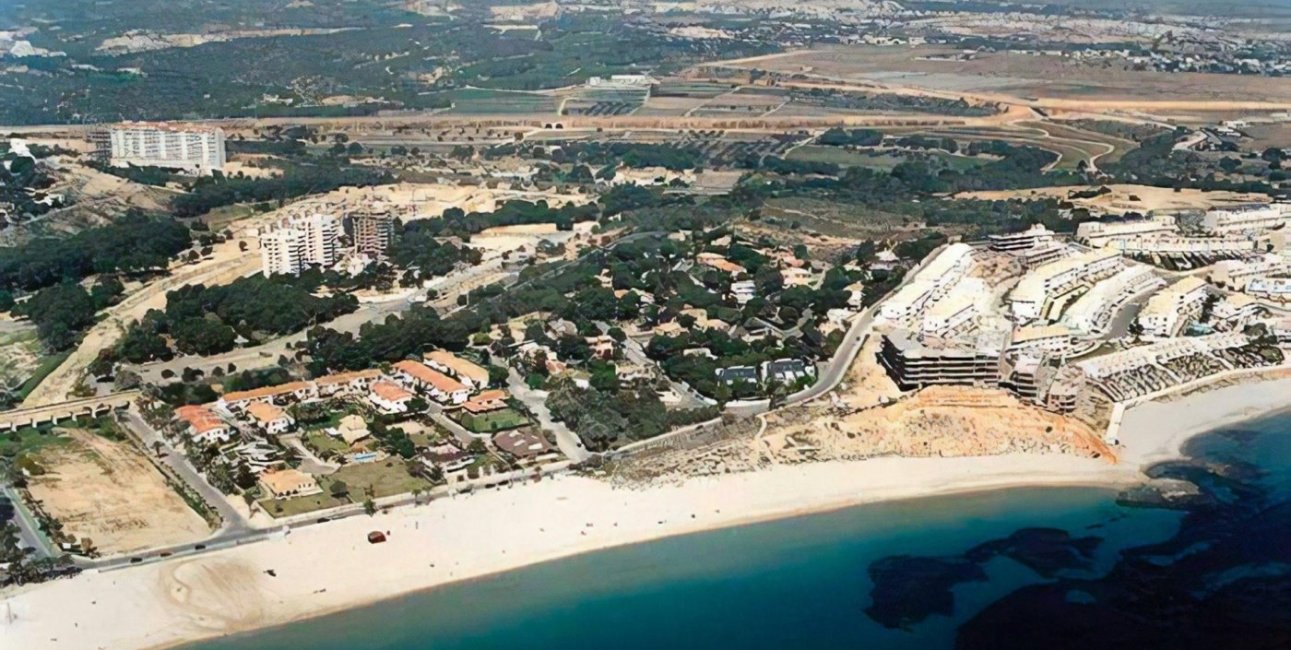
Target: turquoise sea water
{"points": [[810, 582]]}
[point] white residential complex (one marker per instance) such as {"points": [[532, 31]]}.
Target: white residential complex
{"points": [[1031, 298], [1093, 312], [1037, 236], [1137, 358], [1245, 218], [1235, 274], [1278, 289], [932, 282], [298, 242], [1168, 309], [954, 313], [190, 148], [1103, 233], [1178, 245]]}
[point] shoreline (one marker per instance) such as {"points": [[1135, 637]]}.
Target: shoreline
{"points": [[323, 570]]}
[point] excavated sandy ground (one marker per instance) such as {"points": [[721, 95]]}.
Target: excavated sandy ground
{"points": [[1126, 198], [110, 493], [936, 421]]}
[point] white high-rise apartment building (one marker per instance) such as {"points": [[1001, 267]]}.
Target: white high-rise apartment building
{"points": [[282, 252], [191, 148], [298, 242]]}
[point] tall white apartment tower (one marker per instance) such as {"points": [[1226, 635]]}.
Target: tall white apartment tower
{"points": [[298, 242], [190, 148], [282, 252], [321, 233]]}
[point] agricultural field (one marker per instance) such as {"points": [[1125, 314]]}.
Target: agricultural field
{"points": [[725, 149], [657, 106], [834, 219], [108, 492], [577, 107], [683, 88], [482, 101], [1264, 136], [1055, 81], [738, 104], [1071, 146]]}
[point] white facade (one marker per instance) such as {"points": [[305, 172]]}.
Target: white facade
{"points": [[282, 252], [196, 149], [1235, 274], [298, 242], [743, 291], [1034, 237], [1245, 218], [1037, 288], [1168, 309], [936, 279], [1273, 288], [1099, 233], [1092, 312], [949, 315]]}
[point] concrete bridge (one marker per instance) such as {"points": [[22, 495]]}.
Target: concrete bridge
{"points": [[55, 413]]}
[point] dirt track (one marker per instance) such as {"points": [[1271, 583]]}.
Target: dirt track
{"points": [[226, 264]]}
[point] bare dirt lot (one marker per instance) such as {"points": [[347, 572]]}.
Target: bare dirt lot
{"points": [[1127, 198], [108, 492], [937, 421]]}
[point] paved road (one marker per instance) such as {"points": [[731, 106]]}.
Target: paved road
{"points": [[228, 538], [28, 528], [568, 441], [636, 354], [463, 436], [178, 463]]}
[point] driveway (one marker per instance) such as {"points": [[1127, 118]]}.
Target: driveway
{"points": [[567, 440]]}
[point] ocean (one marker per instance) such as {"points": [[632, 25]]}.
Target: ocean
{"points": [[1018, 568]]}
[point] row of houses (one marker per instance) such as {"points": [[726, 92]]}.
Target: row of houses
{"points": [[442, 376]]}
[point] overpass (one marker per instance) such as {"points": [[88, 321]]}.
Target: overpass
{"points": [[54, 413]]}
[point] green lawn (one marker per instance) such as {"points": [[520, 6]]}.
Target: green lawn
{"points": [[300, 505], [494, 421], [319, 442], [28, 440], [386, 477]]}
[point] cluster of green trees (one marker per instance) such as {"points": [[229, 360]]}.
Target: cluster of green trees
{"points": [[391, 340], [22, 182], [155, 176], [207, 320], [891, 102], [60, 312], [417, 246], [837, 137], [605, 419], [633, 154], [458, 222], [298, 179], [133, 243], [699, 371]]}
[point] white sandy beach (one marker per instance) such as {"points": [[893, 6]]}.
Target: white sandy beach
{"points": [[325, 568]]}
